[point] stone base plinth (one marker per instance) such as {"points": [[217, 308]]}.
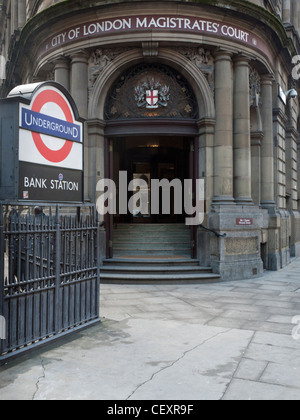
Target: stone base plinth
{"points": [[236, 255]]}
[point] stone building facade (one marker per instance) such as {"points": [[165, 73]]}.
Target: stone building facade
{"points": [[222, 75]]}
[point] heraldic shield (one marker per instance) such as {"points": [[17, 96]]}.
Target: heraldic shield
{"points": [[152, 99]]}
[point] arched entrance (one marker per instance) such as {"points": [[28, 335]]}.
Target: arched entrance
{"points": [[178, 132], [151, 118]]}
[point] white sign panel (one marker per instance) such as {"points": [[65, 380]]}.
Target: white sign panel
{"points": [[49, 132], [50, 151]]}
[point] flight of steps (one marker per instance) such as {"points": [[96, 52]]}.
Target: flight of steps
{"points": [[153, 254], [164, 240]]}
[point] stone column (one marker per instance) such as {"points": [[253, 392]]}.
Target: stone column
{"points": [[7, 35], [94, 158], [21, 13], [295, 15], [206, 156], [79, 82], [62, 72], [206, 166], [14, 16], [241, 132], [256, 142], [286, 11], [223, 147], [267, 150], [94, 169], [298, 166]]}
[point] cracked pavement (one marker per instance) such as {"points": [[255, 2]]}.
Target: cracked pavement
{"points": [[213, 341]]}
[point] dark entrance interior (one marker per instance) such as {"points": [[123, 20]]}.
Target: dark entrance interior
{"points": [[148, 158]]}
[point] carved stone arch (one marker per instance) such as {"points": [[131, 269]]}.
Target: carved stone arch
{"points": [[193, 75]]}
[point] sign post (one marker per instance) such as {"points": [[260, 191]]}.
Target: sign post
{"points": [[47, 140]]}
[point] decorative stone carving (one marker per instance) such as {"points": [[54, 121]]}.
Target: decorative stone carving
{"points": [[255, 101], [50, 75], [255, 88], [202, 59], [99, 60]]}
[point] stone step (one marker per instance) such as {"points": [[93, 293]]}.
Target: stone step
{"points": [[152, 246], [152, 240], [154, 233], [153, 262], [152, 230], [163, 241], [154, 252], [159, 243], [180, 278], [155, 269], [151, 225]]}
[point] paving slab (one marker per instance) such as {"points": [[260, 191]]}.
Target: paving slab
{"points": [[251, 369], [241, 390], [232, 340]]}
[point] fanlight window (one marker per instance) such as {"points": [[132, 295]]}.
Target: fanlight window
{"points": [[151, 91]]}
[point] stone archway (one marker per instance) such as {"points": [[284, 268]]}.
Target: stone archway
{"points": [[172, 58], [96, 123], [203, 126]]}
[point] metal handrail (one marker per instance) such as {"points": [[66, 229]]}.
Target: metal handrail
{"points": [[219, 235]]}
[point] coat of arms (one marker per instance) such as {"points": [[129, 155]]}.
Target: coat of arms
{"points": [[152, 95]]}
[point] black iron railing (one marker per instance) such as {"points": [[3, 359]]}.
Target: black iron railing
{"points": [[49, 274]]}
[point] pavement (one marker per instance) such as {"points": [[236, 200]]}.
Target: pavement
{"points": [[222, 341]]}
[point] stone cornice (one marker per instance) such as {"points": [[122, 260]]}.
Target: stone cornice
{"points": [[73, 8], [247, 8]]}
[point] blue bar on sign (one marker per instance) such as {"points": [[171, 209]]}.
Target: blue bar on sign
{"points": [[44, 124]]}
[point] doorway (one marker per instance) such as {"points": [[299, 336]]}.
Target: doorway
{"points": [[150, 158]]}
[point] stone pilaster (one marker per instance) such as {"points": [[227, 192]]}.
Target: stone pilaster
{"points": [[7, 35], [295, 15], [206, 165], [94, 157], [235, 249], [62, 71], [94, 168], [256, 142], [79, 81], [286, 11], [223, 147], [21, 13], [241, 132], [14, 16], [267, 150]]}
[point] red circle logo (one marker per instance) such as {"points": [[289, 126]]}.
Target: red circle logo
{"points": [[43, 98]]}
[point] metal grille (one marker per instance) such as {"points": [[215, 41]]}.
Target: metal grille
{"points": [[50, 274]]}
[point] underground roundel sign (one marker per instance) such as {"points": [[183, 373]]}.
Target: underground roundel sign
{"points": [[50, 147]]}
